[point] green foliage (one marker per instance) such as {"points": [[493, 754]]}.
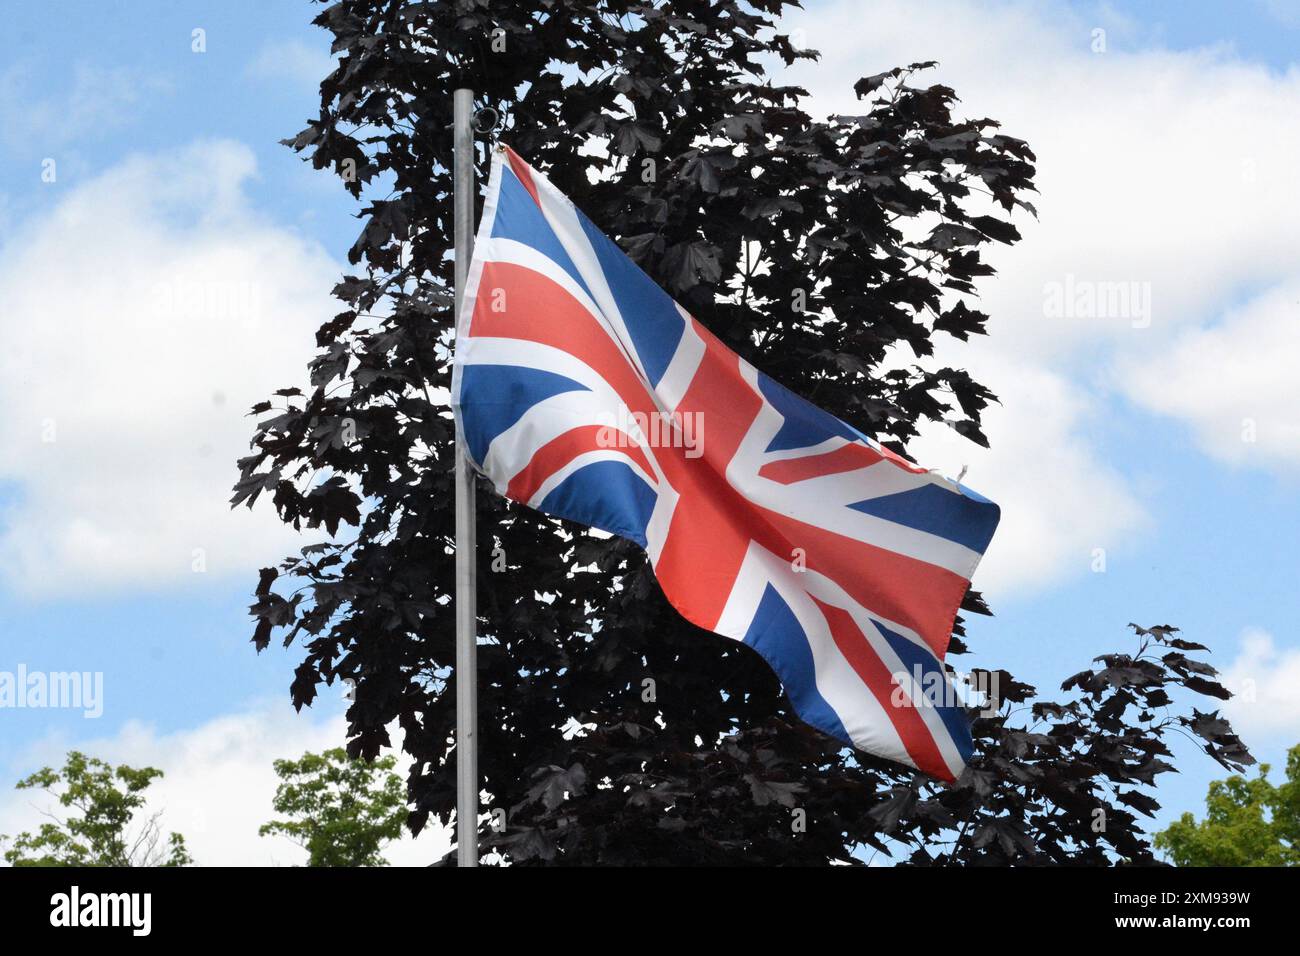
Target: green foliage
{"points": [[342, 811], [110, 829], [1247, 823]]}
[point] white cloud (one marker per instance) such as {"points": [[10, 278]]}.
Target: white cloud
{"points": [[1059, 500], [1130, 186], [142, 317], [1236, 383], [217, 786], [1264, 679], [1164, 172]]}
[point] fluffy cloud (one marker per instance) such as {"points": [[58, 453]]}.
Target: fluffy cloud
{"points": [[1128, 191], [142, 317], [1147, 234], [1264, 677], [1129, 194], [218, 784], [1235, 384], [1060, 501]]}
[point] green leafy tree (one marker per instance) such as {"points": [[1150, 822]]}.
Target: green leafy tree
{"points": [[1247, 823], [341, 811], [110, 826]]}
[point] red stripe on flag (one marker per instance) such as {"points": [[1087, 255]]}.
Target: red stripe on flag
{"points": [[849, 458], [562, 449], [903, 463], [713, 523], [909, 723], [538, 309], [524, 172], [914, 593], [714, 518]]}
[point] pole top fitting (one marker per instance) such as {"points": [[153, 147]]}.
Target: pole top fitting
{"points": [[481, 123]]}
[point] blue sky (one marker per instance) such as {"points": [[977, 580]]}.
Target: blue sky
{"points": [[168, 168]]}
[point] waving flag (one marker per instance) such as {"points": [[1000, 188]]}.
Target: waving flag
{"points": [[583, 390]]}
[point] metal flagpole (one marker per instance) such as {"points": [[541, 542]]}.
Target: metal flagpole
{"points": [[466, 595]]}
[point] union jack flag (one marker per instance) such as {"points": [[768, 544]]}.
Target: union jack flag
{"points": [[583, 390]]}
